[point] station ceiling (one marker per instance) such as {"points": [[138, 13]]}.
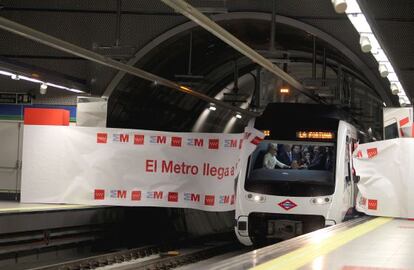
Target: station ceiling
{"points": [[92, 25]]}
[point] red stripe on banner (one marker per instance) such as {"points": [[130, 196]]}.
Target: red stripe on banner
{"points": [[256, 140], [372, 152], [404, 121]]}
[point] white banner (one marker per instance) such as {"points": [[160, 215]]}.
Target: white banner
{"points": [[99, 166], [386, 187]]}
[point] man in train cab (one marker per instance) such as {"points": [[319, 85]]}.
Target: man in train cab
{"points": [[297, 153], [318, 160], [270, 161], [285, 154]]}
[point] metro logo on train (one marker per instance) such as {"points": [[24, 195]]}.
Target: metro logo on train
{"points": [[287, 205]]}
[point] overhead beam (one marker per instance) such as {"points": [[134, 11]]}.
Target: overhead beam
{"points": [[195, 15], [70, 48]]}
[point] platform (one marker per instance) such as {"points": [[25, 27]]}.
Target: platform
{"points": [[16, 217], [7, 207], [363, 244]]}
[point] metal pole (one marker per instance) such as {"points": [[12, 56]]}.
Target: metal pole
{"points": [[70, 48], [193, 14], [118, 23]]}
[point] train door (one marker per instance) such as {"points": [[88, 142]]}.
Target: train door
{"points": [[349, 185]]}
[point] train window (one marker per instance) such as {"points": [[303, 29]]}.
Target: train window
{"points": [[391, 131], [292, 168]]}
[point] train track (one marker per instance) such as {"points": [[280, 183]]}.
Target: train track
{"points": [[148, 258]]}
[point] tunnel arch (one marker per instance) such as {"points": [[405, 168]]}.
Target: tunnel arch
{"points": [[367, 72]]}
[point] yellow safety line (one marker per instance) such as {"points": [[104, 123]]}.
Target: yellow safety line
{"points": [[308, 253]]}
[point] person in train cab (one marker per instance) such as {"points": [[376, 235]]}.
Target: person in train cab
{"points": [[297, 153], [329, 161], [285, 154], [318, 160], [270, 161], [307, 158]]}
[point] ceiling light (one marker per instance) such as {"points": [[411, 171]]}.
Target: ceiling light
{"points": [[43, 85], [238, 116], [339, 5], [383, 70], [43, 88], [394, 89], [365, 44], [369, 43], [402, 101], [6, 73], [284, 90], [212, 107], [385, 105]]}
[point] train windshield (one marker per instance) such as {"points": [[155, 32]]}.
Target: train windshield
{"points": [[292, 169]]}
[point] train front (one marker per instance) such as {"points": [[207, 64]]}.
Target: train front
{"points": [[289, 186]]}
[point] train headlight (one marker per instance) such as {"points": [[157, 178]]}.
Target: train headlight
{"points": [[321, 200], [256, 198]]}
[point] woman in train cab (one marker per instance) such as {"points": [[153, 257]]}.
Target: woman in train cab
{"points": [[270, 160]]}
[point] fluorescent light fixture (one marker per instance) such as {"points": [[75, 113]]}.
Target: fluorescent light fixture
{"points": [[238, 116], [394, 89], [385, 105], [383, 70], [57, 86], [43, 85], [392, 77], [369, 43], [6, 73], [212, 107], [339, 5], [360, 23], [75, 90], [365, 43]]}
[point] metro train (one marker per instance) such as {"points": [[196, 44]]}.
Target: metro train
{"points": [[300, 178]]}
